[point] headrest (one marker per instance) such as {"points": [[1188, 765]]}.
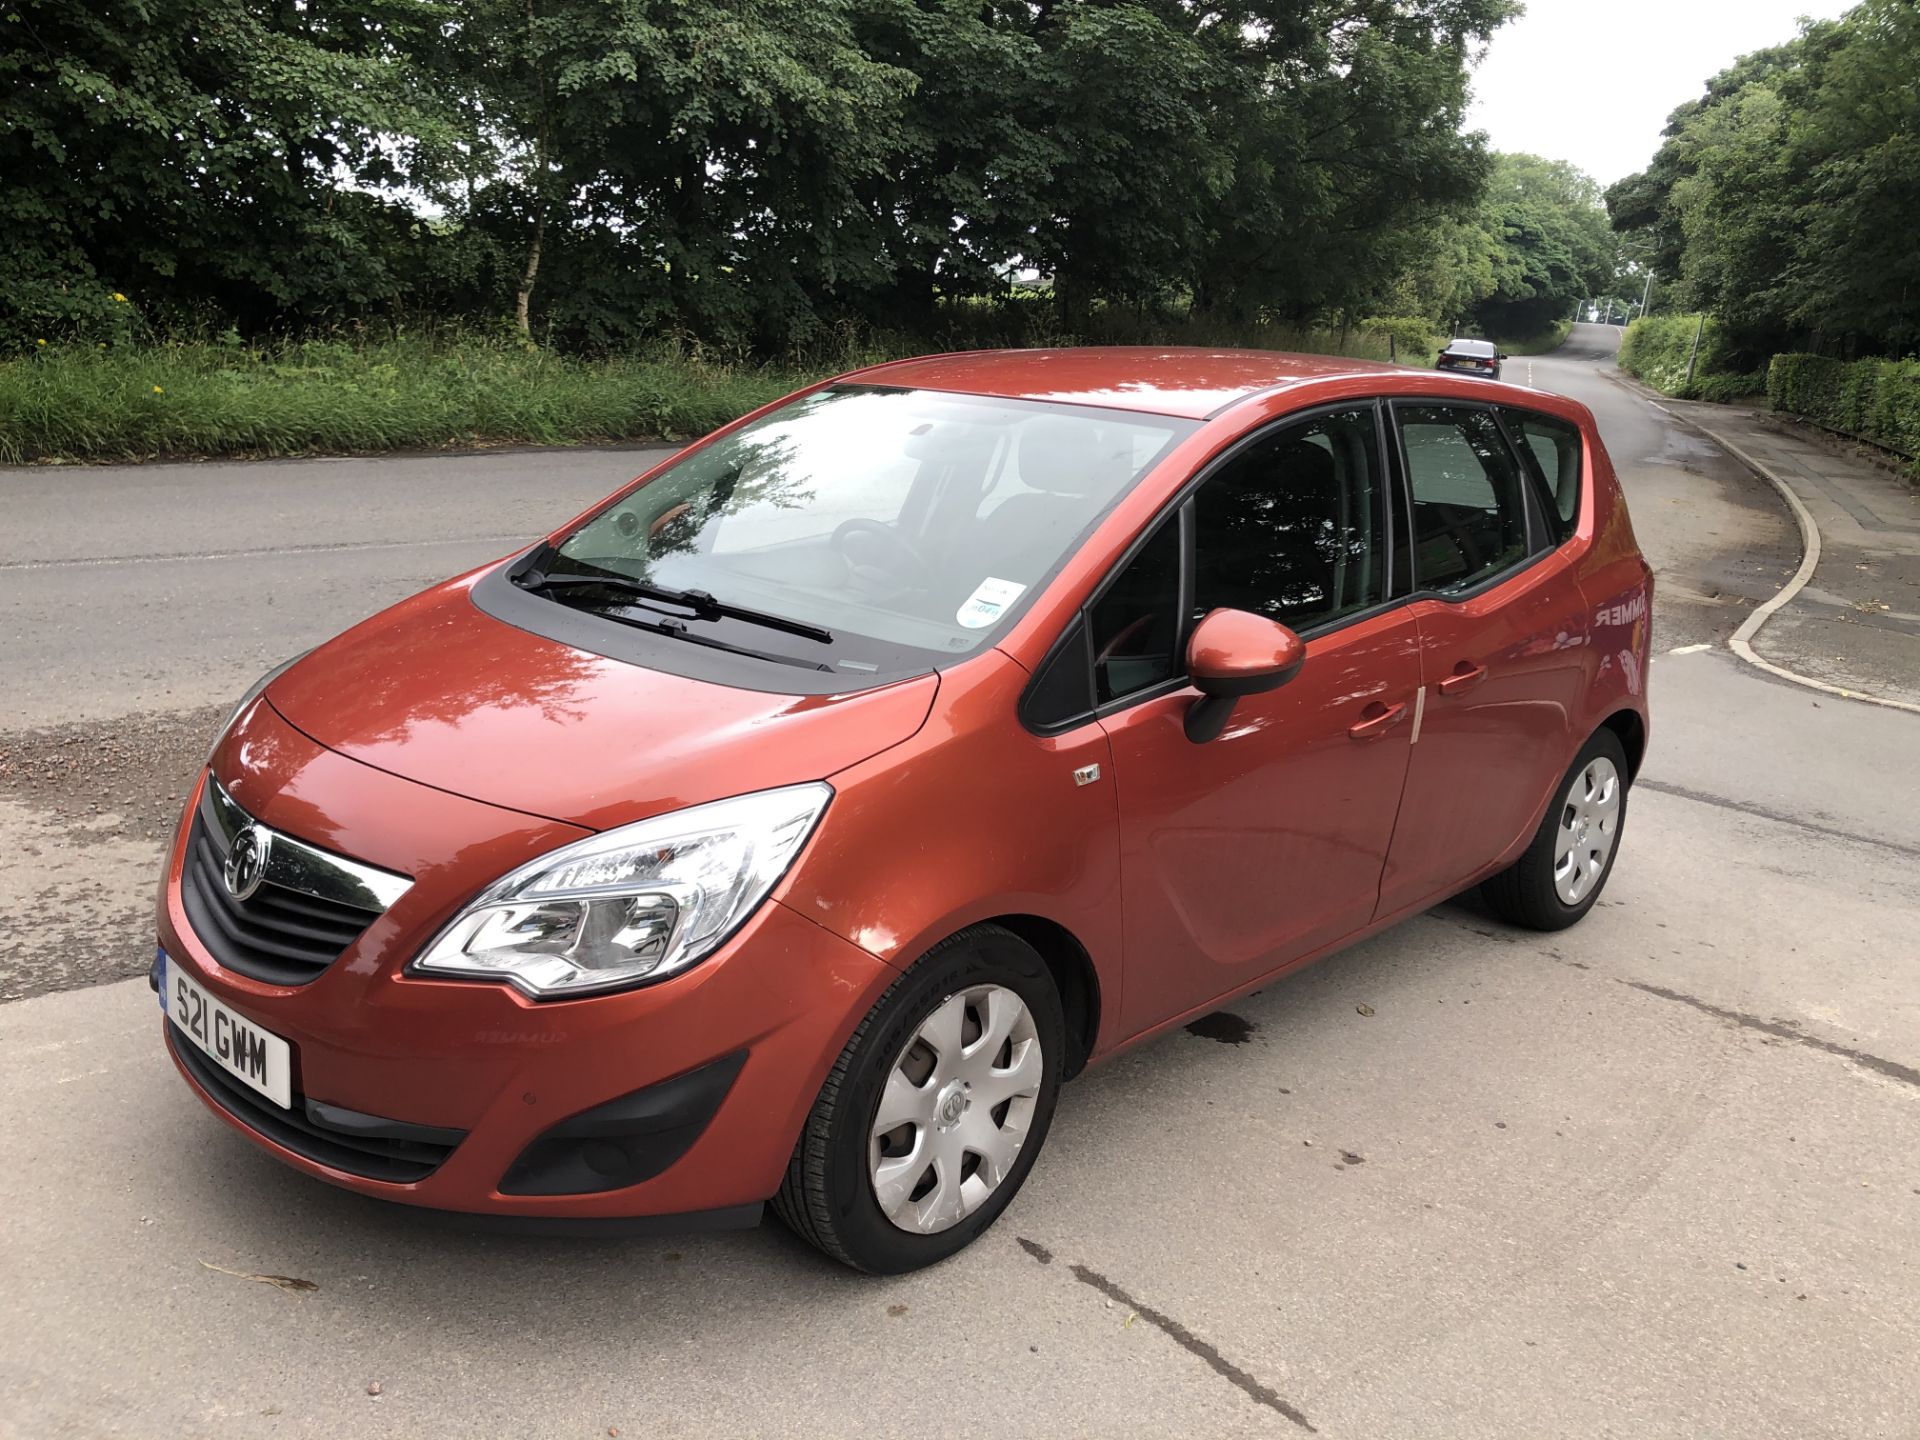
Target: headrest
{"points": [[1066, 456], [1304, 465]]}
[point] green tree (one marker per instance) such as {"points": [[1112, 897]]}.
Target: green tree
{"points": [[1785, 199], [1346, 143], [206, 153], [746, 174], [1551, 245], [1856, 280]]}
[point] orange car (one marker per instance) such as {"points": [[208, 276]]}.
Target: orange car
{"points": [[788, 827]]}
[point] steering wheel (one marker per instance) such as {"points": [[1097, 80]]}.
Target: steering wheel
{"points": [[879, 558], [1126, 640]]}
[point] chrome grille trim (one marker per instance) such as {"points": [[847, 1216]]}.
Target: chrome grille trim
{"points": [[306, 869]]}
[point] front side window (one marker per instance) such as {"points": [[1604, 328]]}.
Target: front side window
{"points": [[1135, 624], [1469, 510], [1293, 526], [1555, 447], [905, 527]]}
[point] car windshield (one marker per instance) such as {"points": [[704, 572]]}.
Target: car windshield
{"points": [[890, 529], [1481, 348]]}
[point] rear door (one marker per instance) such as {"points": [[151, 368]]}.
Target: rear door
{"points": [[1501, 628]]}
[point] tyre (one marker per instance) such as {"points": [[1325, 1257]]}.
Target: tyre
{"points": [[1566, 866], [932, 1116]]}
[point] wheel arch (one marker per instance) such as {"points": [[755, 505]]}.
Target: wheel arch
{"points": [[1073, 975], [1630, 729]]}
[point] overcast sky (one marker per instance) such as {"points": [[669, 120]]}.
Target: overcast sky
{"points": [[1593, 83]]}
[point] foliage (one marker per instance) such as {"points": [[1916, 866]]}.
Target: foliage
{"points": [[750, 177], [1727, 387], [406, 390], [1343, 128], [195, 152], [1551, 338], [1655, 349], [1786, 198], [1415, 342], [1517, 261], [342, 395], [1550, 245], [1876, 400]]}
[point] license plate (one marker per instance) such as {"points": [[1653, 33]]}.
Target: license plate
{"points": [[251, 1055]]}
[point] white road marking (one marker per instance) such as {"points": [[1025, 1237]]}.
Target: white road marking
{"points": [[51, 1046], [84, 1075], [1690, 649], [100, 560], [1741, 641]]}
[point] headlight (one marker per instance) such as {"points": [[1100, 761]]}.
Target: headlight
{"points": [[254, 692], [635, 904]]}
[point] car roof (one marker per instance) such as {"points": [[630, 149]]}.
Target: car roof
{"points": [[1162, 380], [1471, 347]]}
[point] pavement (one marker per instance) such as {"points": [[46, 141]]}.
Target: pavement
{"points": [[1652, 1176], [1856, 621]]}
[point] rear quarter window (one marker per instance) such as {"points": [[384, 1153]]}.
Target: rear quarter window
{"points": [[1554, 447]]}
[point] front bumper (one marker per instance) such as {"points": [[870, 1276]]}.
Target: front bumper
{"points": [[509, 1081]]}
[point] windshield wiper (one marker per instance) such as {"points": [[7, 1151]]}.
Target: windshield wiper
{"points": [[677, 630], [702, 605]]}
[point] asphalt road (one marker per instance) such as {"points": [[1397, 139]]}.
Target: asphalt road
{"points": [[1654, 1176]]}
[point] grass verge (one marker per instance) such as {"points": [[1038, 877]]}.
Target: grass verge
{"points": [[1552, 338], [405, 392], [334, 397]]}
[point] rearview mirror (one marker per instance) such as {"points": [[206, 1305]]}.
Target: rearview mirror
{"points": [[1234, 653], [1500, 355]]}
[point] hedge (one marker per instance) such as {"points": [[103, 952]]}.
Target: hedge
{"points": [[1875, 400], [1655, 348], [1872, 400]]}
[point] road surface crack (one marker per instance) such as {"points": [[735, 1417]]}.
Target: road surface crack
{"points": [[1893, 1069], [1832, 832], [1178, 1333]]}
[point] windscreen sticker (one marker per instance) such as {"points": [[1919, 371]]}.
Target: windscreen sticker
{"points": [[988, 602]]}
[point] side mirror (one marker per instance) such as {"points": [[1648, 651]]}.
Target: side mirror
{"points": [[1500, 355], [1235, 653]]}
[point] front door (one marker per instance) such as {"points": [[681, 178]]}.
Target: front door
{"points": [[1252, 850]]}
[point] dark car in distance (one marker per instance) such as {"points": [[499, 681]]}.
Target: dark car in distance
{"points": [[1474, 357]]}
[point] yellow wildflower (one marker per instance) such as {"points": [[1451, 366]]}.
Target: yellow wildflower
{"points": [[158, 391], [39, 342], [119, 299]]}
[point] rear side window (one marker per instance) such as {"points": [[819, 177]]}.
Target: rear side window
{"points": [[1554, 446], [1293, 527], [1469, 507]]}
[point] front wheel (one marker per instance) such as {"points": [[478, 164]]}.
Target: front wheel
{"points": [[1560, 876], [932, 1116]]}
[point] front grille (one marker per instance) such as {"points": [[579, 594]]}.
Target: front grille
{"points": [[400, 1154], [277, 934]]}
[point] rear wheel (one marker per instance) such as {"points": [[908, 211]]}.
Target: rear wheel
{"points": [[933, 1114], [1566, 866]]}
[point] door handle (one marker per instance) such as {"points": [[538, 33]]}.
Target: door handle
{"points": [[1465, 676], [1378, 719]]}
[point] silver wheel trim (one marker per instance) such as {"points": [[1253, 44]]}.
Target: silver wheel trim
{"points": [[955, 1109], [1589, 829]]}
